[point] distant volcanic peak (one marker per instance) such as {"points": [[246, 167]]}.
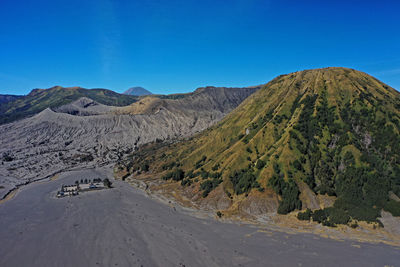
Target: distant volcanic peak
{"points": [[137, 91]]}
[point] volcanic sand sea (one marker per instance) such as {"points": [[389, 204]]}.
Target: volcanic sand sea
{"points": [[122, 226]]}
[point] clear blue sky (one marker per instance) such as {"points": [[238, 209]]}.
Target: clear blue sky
{"points": [[176, 46]]}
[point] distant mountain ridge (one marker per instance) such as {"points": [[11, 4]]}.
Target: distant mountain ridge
{"points": [[85, 132], [40, 99], [8, 98], [137, 91]]}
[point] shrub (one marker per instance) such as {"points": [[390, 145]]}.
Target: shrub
{"points": [[277, 168], [168, 166], [215, 175], [215, 167], [106, 182], [337, 216], [208, 185], [260, 164], [327, 217], [190, 174], [86, 158], [305, 216], [393, 207], [176, 175], [187, 182], [354, 225], [289, 192], [200, 162], [145, 167], [7, 157], [297, 165], [243, 181], [204, 174], [319, 216]]}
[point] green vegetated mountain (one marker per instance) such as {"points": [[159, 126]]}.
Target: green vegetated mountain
{"points": [[40, 99], [328, 132]]}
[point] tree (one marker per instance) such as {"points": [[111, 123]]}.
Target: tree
{"points": [[289, 192], [7, 157], [260, 164], [178, 175], [145, 167], [243, 181], [305, 216], [107, 183], [208, 185]]}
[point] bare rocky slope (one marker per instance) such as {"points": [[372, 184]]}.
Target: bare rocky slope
{"points": [[86, 133]]}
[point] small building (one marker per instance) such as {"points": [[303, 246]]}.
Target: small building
{"points": [[73, 190], [68, 188], [67, 193]]}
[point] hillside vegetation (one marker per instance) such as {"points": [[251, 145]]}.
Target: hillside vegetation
{"points": [[40, 99], [8, 98], [332, 131]]}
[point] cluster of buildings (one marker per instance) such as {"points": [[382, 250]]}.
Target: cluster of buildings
{"points": [[83, 185]]}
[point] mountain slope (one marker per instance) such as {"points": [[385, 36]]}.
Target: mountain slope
{"points": [[137, 91], [8, 98], [305, 137], [86, 133], [40, 99], [205, 99]]}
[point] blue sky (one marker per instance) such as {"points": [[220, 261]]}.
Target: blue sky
{"points": [[176, 46]]}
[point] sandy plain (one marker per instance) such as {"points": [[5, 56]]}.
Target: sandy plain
{"points": [[124, 226]]}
